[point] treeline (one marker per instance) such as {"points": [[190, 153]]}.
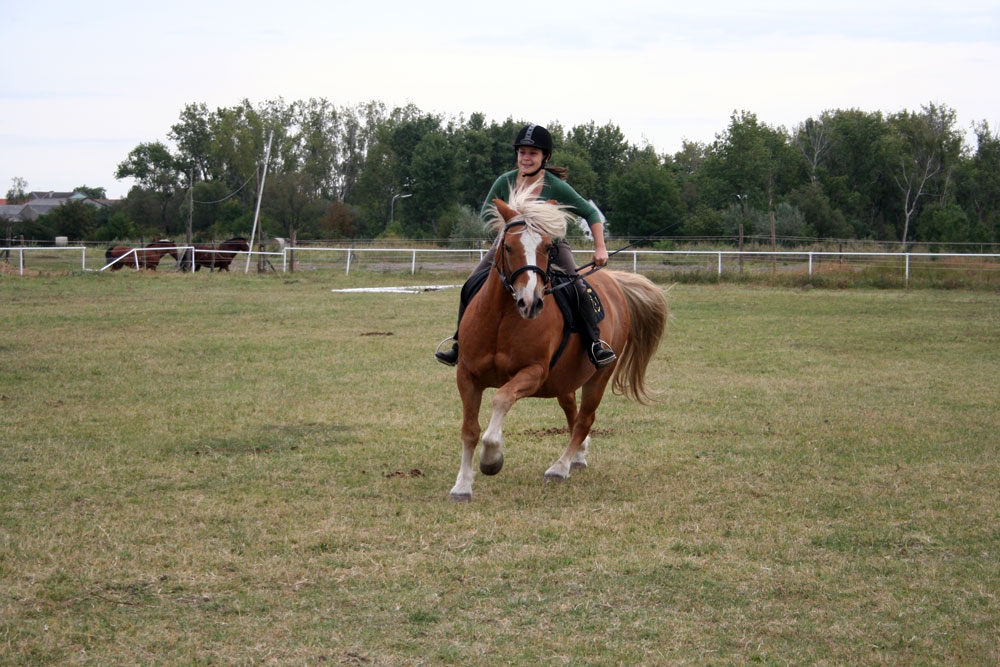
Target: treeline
{"points": [[370, 172]]}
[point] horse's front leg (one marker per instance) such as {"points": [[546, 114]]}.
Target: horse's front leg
{"points": [[525, 383], [471, 400]]}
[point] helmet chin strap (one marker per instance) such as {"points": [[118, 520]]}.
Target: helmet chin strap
{"points": [[537, 171]]}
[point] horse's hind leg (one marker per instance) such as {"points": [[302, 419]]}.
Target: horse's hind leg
{"points": [[568, 403], [575, 455]]}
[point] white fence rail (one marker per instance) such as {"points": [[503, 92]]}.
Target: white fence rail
{"points": [[716, 260], [308, 258]]}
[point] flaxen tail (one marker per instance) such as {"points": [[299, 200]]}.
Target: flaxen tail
{"points": [[647, 310]]}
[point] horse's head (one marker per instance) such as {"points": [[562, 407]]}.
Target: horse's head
{"points": [[238, 244], [167, 246], [529, 230]]}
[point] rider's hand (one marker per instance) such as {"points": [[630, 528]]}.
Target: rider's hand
{"points": [[601, 257]]}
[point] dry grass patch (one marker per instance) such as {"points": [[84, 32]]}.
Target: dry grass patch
{"points": [[231, 469]]}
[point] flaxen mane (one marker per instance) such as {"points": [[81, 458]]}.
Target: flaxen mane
{"points": [[544, 217]]}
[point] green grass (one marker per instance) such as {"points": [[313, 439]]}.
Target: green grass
{"points": [[231, 469]]}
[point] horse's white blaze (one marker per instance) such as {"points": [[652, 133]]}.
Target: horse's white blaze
{"points": [[530, 241]]}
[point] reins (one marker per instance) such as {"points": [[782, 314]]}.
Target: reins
{"points": [[595, 269]]}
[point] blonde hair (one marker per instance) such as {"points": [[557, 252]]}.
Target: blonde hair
{"points": [[545, 217]]}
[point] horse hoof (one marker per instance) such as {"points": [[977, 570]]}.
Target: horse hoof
{"points": [[491, 468], [555, 478], [578, 465], [461, 497]]}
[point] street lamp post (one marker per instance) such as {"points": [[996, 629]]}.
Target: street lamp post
{"points": [[392, 205]]}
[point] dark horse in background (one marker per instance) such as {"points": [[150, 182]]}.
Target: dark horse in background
{"points": [[214, 257], [143, 258]]}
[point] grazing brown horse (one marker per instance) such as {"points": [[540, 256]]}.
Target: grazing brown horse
{"points": [[143, 258], [212, 257], [511, 342]]}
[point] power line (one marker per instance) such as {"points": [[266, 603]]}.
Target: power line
{"points": [[229, 196]]}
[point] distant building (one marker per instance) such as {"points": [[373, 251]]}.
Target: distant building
{"points": [[40, 203]]}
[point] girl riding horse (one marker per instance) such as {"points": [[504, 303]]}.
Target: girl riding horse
{"points": [[533, 148]]}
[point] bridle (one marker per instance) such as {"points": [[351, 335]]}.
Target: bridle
{"points": [[508, 281]]}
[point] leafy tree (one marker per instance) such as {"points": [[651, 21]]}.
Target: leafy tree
{"points": [[18, 193], [790, 225], [376, 188], [580, 173], [606, 150], [156, 171], [337, 222], [946, 223], [813, 140], [360, 128], [704, 222], [978, 192], [210, 198], [119, 227], [434, 188], [842, 173], [473, 151], [73, 219], [821, 217], [317, 146], [645, 199], [193, 135], [854, 179], [464, 228], [293, 203], [921, 148]]}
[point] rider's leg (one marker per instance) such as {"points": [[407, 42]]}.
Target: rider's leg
{"points": [[600, 353], [449, 357]]}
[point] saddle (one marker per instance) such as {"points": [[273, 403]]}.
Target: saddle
{"points": [[566, 296]]}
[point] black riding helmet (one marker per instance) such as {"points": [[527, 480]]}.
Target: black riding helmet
{"points": [[535, 136]]}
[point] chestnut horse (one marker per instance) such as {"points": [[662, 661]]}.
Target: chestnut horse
{"points": [[143, 258], [212, 257], [511, 342]]}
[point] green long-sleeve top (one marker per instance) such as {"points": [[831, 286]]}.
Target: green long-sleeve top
{"points": [[553, 187]]}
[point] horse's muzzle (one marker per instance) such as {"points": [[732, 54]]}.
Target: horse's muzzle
{"points": [[530, 305]]}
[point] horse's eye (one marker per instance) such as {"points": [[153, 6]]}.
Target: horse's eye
{"points": [[506, 248]]}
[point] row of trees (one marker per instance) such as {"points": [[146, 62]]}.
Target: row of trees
{"points": [[368, 171]]}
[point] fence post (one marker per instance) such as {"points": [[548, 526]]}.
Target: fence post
{"points": [[413, 263], [810, 265], [348, 262]]}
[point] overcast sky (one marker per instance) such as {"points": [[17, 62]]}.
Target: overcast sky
{"points": [[83, 84]]}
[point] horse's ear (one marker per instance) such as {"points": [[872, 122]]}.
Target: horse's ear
{"points": [[505, 211]]}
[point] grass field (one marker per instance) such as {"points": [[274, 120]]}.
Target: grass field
{"points": [[231, 469]]}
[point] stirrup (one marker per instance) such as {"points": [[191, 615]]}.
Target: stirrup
{"points": [[600, 345], [445, 357]]}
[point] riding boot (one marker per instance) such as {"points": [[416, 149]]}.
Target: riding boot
{"points": [[600, 353], [449, 357]]}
